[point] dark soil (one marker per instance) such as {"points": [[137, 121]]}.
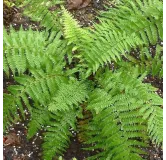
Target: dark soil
{"points": [[19, 147], [24, 149], [14, 17]]}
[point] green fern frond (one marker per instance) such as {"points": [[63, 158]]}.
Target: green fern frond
{"points": [[108, 46], [118, 120], [40, 88], [40, 118], [144, 18], [91, 45], [9, 111], [153, 66], [19, 51], [117, 36], [146, 62], [68, 95], [120, 30], [77, 38], [40, 10], [57, 135], [106, 133], [21, 54], [155, 122], [96, 100], [56, 129], [73, 31]]}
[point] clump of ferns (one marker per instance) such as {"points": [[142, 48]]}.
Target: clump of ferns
{"points": [[119, 113]]}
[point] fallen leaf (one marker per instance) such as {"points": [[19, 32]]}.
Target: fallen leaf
{"points": [[77, 4], [11, 139]]}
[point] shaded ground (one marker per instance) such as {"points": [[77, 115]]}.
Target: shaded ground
{"points": [[14, 17], [16, 146]]}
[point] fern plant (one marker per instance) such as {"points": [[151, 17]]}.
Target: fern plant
{"points": [[147, 60], [43, 13], [63, 72], [116, 102]]}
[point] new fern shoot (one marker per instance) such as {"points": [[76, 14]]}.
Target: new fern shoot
{"points": [[63, 72]]}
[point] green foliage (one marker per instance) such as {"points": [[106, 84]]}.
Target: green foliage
{"points": [[121, 107], [63, 72], [57, 133], [19, 51], [120, 30], [68, 96], [153, 65], [127, 26], [72, 31], [155, 122], [40, 10], [144, 18], [21, 54]]}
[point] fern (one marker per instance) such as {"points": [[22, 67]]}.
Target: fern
{"points": [[21, 54], [146, 62], [57, 135], [31, 88], [155, 122], [117, 36], [62, 76], [123, 28], [48, 19], [72, 31], [40, 118], [116, 142], [117, 116], [144, 18], [68, 96], [40, 89]]}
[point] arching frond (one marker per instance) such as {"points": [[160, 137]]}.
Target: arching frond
{"points": [[144, 18], [57, 135], [118, 121], [21, 54], [128, 26], [40, 88], [40, 116]]}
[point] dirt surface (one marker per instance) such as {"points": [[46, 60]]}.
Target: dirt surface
{"points": [[16, 145], [86, 16], [14, 17]]}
